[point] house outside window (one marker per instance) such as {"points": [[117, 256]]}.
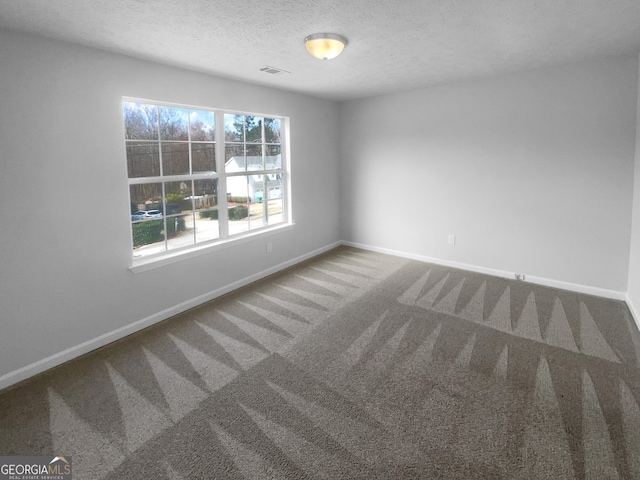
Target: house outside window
{"points": [[200, 177]]}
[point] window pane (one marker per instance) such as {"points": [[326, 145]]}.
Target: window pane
{"points": [[275, 187], [272, 130], [203, 157], [234, 158], [143, 160], [275, 211], [179, 203], [202, 125], [205, 193], [180, 231], [205, 201], [253, 129], [140, 121], [254, 158], [273, 151], [237, 189], [147, 196], [175, 158], [147, 225], [148, 237], [174, 123], [257, 215], [238, 218], [233, 127], [178, 197], [206, 225], [257, 187]]}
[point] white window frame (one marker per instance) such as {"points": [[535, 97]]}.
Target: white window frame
{"points": [[225, 239]]}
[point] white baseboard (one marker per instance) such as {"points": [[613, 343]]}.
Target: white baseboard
{"points": [[635, 313], [40, 366], [547, 282]]}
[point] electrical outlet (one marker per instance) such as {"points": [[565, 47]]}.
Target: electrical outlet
{"points": [[520, 276], [452, 239], [269, 247]]}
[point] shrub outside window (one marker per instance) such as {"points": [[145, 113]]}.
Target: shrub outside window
{"points": [[199, 176]]}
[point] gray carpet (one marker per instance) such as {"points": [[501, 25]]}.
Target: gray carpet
{"points": [[351, 365]]}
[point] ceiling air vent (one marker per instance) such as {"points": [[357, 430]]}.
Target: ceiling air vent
{"points": [[272, 70]]}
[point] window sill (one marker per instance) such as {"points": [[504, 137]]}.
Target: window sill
{"points": [[146, 264]]}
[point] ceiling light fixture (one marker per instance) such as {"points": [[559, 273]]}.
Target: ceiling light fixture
{"points": [[325, 46]]}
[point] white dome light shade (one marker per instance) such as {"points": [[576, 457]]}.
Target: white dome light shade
{"points": [[325, 46]]}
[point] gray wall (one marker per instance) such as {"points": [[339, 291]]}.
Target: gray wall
{"points": [[633, 292], [65, 232], [533, 172]]}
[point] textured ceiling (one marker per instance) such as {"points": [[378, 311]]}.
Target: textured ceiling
{"points": [[393, 45]]}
